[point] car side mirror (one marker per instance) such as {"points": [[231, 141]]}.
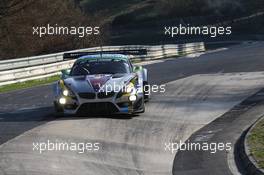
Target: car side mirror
{"points": [[137, 68], [65, 73]]}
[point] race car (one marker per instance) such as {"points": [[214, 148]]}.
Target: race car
{"points": [[101, 84]]}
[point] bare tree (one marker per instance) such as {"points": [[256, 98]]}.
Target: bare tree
{"points": [[11, 7], [19, 16]]}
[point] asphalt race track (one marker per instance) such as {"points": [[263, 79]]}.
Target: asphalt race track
{"points": [[198, 91]]}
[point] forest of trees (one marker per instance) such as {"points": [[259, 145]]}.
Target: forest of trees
{"points": [[224, 8], [17, 17]]}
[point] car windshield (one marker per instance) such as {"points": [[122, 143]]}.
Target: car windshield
{"points": [[107, 66]]}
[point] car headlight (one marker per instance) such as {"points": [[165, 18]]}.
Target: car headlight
{"points": [[67, 93], [62, 101], [129, 88], [65, 90], [133, 98]]}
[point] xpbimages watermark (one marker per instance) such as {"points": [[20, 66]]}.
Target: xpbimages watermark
{"points": [[130, 88], [79, 31], [211, 31], [197, 146], [80, 147]]}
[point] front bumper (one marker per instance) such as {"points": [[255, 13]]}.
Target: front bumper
{"points": [[83, 105]]}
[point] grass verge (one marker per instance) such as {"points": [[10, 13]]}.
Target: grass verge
{"points": [[256, 143], [28, 84]]}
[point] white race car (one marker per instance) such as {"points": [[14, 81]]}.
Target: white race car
{"points": [[102, 84]]}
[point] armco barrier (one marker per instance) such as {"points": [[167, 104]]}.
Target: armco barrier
{"points": [[31, 68], [57, 57]]}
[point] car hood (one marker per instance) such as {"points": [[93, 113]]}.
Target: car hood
{"points": [[96, 83]]}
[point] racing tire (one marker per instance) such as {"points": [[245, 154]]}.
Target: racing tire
{"points": [[142, 110]]}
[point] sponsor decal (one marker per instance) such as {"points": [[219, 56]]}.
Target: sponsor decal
{"points": [[97, 81]]}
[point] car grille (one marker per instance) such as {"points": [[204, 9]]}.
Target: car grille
{"points": [[87, 95], [105, 95], [71, 106], [97, 108]]}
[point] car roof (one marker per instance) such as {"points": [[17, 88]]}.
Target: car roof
{"points": [[104, 56]]}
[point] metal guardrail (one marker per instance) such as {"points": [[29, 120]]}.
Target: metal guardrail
{"points": [[24, 69]]}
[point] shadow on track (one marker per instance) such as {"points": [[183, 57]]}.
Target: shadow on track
{"points": [[15, 123], [101, 116]]}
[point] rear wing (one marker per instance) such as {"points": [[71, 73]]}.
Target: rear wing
{"points": [[75, 55]]}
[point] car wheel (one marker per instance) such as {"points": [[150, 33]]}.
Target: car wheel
{"points": [[142, 110]]}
